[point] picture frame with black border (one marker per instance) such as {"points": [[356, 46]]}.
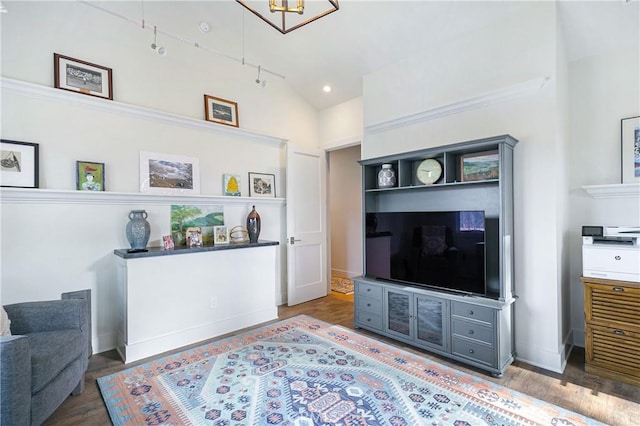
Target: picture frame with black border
{"points": [[262, 185], [19, 164], [80, 76], [221, 111], [630, 148]]}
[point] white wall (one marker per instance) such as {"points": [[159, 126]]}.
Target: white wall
{"points": [[51, 247], [604, 89], [515, 50], [345, 202], [341, 125]]}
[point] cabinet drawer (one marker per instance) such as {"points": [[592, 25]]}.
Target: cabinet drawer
{"points": [[476, 351], [615, 348], [473, 330], [368, 290], [368, 319], [369, 304], [612, 303], [473, 312]]}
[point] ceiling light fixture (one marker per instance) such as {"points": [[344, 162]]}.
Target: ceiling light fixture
{"points": [[161, 50], [326, 88], [285, 18]]}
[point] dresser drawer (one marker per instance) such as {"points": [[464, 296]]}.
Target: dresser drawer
{"points": [[473, 312], [614, 348], [369, 304], [368, 319], [473, 330], [473, 350], [612, 303], [368, 290]]}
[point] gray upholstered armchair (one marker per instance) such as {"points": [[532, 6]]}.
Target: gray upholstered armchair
{"points": [[45, 358]]}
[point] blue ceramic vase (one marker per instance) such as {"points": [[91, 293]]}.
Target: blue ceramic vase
{"points": [[138, 229]]}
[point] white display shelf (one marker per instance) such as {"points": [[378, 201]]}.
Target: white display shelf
{"points": [[620, 190], [55, 196], [37, 91]]}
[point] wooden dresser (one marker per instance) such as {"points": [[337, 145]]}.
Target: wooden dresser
{"points": [[612, 334]]}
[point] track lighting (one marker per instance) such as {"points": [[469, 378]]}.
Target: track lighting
{"points": [[159, 49], [258, 81]]}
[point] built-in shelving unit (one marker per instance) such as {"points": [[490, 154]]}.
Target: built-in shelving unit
{"points": [[619, 190], [470, 328]]}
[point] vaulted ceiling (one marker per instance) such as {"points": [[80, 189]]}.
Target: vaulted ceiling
{"points": [[364, 36]]}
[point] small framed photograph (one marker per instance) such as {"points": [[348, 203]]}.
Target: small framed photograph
{"points": [[220, 235], [82, 77], [19, 164], [169, 174], [479, 166], [194, 237], [167, 242], [262, 185], [231, 185], [630, 137], [89, 176], [221, 111]]}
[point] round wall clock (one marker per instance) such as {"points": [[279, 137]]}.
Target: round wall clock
{"points": [[429, 171]]}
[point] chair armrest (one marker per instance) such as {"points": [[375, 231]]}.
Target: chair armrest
{"points": [[15, 380], [31, 317]]}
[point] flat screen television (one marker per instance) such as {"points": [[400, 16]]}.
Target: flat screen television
{"points": [[442, 250]]}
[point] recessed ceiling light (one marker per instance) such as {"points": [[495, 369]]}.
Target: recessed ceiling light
{"points": [[204, 27], [326, 89]]}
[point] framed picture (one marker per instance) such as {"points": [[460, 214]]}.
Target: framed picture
{"points": [[220, 235], [630, 137], [262, 185], [194, 237], [167, 242], [479, 166], [205, 217], [82, 77], [169, 174], [89, 176], [221, 111], [19, 164], [231, 185]]}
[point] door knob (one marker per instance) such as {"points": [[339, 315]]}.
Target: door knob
{"points": [[292, 240]]}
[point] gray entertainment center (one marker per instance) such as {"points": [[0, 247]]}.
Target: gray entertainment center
{"points": [[396, 298]]}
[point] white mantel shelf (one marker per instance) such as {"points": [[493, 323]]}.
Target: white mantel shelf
{"points": [[37, 91], [56, 196], [620, 190]]}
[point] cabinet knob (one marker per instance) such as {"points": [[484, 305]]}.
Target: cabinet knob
{"points": [[618, 289], [471, 351], [619, 332], [368, 289], [470, 331], [368, 319], [470, 312], [368, 305]]}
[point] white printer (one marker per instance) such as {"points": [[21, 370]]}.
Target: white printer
{"points": [[611, 252]]}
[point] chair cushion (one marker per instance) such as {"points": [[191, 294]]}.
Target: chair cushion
{"points": [[51, 352]]}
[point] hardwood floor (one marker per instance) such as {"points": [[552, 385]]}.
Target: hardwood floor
{"points": [[606, 400]]}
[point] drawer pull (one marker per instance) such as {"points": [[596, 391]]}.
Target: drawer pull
{"points": [[470, 331], [368, 319], [471, 351], [618, 289], [368, 305], [470, 312], [619, 332], [368, 289]]}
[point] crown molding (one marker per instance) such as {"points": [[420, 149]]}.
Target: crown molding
{"points": [[55, 196], [620, 190], [500, 95], [37, 91]]}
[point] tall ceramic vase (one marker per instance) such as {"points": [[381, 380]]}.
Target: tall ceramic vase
{"points": [[386, 177], [138, 229], [253, 225]]}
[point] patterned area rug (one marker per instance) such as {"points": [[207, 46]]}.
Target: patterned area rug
{"points": [[303, 372], [341, 285]]}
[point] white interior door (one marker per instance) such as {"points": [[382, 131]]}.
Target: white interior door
{"points": [[306, 225]]}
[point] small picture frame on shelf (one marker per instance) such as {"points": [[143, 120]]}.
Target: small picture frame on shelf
{"points": [[630, 140], [19, 164], [82, 77], [169, 174], [89, 176], [231, 185], [220, 235], [221, 111], [194, 237], [479, 166], [167, 242], [262, 185]]}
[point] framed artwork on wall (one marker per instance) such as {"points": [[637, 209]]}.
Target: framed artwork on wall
{"points": [[630, 139], [220, 235], [82, 77], [19, 164], [262, 185], [169, 174], [479, 166], [221, 111], [89, 176], [231, 185]]}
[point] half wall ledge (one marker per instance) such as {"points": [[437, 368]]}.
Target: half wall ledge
{"points": [[160, 251]]}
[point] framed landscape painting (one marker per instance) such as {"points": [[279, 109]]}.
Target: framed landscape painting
{"points": [[82, 77], [479, 166], [19, 164], [221, 111], [169, 174]]}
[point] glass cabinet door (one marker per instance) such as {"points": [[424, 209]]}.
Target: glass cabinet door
{"points": [[398, 312], [431, 327]]}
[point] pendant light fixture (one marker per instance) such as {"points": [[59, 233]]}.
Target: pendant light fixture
{"points": [[288, 15]]}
